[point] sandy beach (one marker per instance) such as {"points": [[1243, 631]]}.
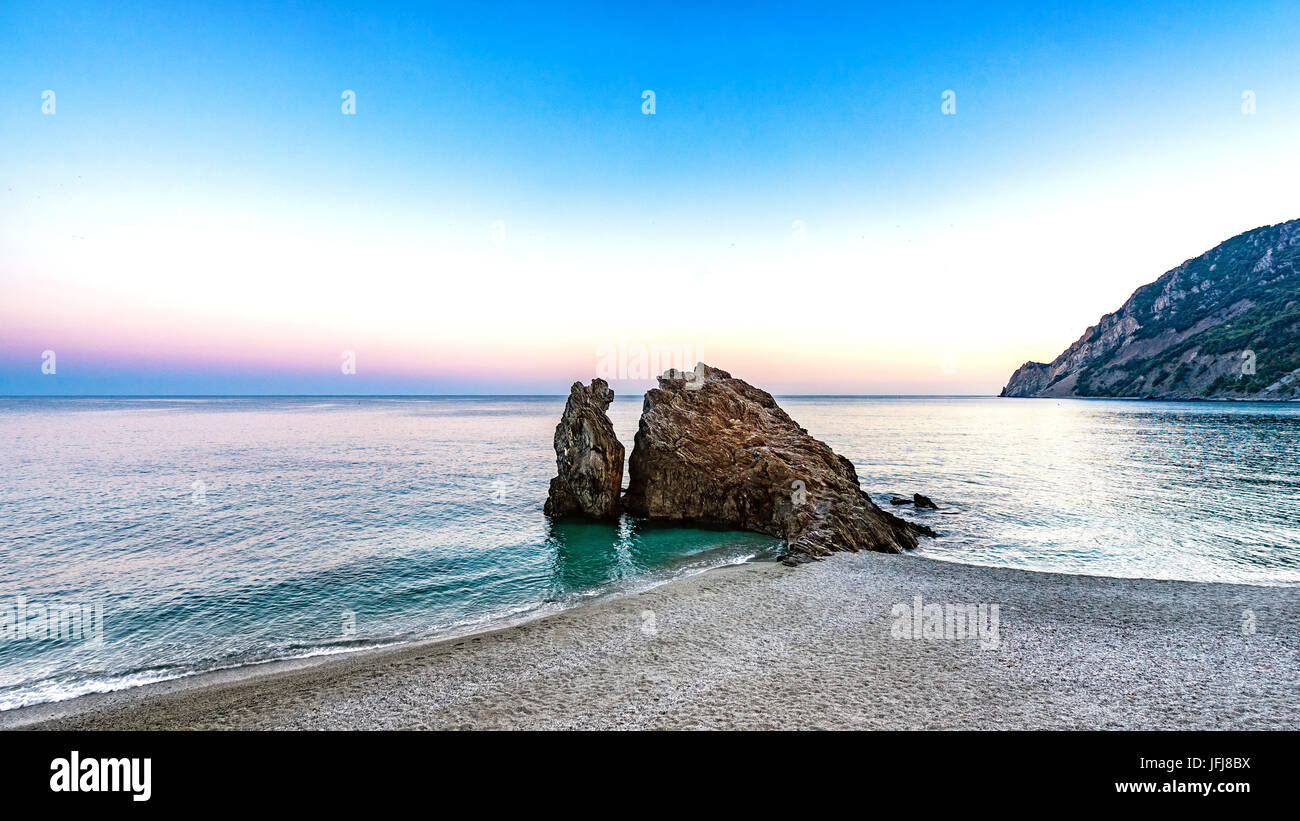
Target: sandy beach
{"points": [[760, 646]]}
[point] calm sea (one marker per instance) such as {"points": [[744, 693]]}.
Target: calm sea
{"points": [[213, 533]]}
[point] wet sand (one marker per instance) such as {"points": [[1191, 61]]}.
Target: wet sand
{"points": [[765, 646]]}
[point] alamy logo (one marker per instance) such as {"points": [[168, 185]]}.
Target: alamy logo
{"points": [[798, 492], [694, 378], [501, 491], [23, 621], [647, 361], [954, 622], [77, 774], [949, 104]]}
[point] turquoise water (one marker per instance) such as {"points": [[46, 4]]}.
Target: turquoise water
{"points": [[219, 532]]}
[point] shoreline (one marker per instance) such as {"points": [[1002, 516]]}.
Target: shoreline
{"points": [[759, 645], [238, 672]]}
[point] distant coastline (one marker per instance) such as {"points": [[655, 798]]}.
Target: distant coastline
{"points": [[1224, 325]]}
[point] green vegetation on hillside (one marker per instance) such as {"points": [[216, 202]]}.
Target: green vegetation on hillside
{"points": [[1225, 279]]}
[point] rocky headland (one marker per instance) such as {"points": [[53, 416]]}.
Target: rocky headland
{"points": [[1224, 325]]}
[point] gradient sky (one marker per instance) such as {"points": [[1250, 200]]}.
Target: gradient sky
{"points": [[199, 216]]}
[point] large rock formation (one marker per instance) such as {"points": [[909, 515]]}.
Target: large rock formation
{"points": [[588, 455], [714, 451], [1225, 325]]}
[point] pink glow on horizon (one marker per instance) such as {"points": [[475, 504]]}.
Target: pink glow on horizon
{"points": [[106, 332]]}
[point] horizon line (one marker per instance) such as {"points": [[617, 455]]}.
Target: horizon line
{"points": [[458, 396]]}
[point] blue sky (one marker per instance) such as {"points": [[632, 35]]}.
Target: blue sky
{"points": [[200, 180]]}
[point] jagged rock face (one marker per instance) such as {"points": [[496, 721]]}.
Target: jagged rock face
{"points": [[714, 451], [588, 455], [1225, 325]]}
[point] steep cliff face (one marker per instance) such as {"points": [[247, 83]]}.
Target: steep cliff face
{"points": [[1225, 325], [715, 451]]}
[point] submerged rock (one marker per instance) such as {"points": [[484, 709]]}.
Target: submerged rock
{"points": [[924, 502], [714, 451], [588, 455], [899, 500]]}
